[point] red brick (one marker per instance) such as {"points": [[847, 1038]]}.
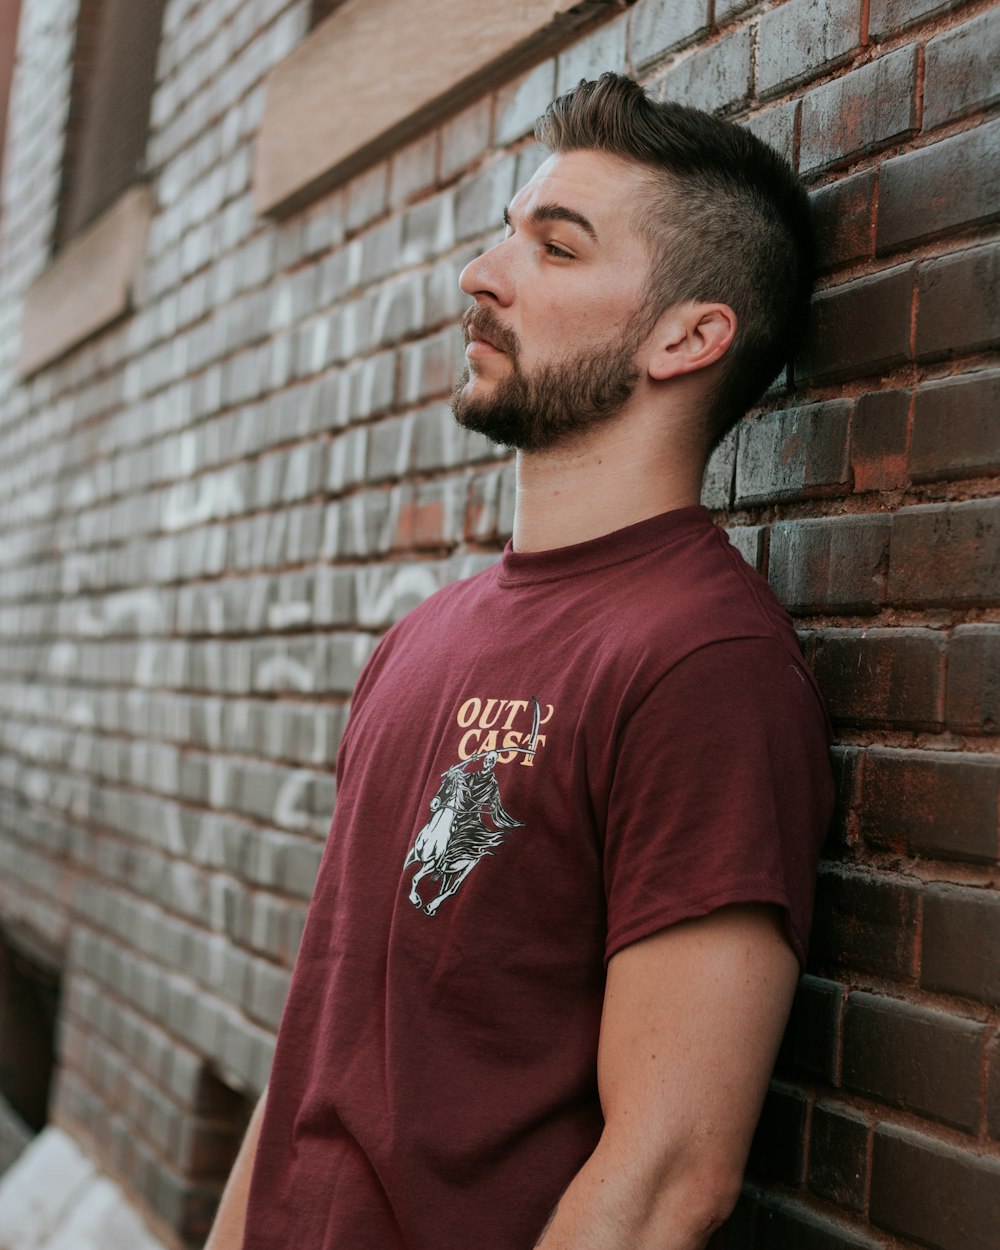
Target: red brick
{"points": [[960, 942], [879, 439], [776, 1153], [934, 1192], [973, 681], [860, 112], [793, 454], [882, 676], [465, 138], [936, 803], [838, 1154], [865, 922], [413, 170], [954, 427], [960, 69], [831, 563], [803, 38], [860, 328], [946, 553], [844, 215], [950, 185], [959, 302], [914, 1058]]}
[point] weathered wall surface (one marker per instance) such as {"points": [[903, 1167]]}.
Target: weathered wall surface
{"points": [[210, 511]]}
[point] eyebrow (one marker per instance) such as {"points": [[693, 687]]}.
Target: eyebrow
{"points": [[556, 212]]}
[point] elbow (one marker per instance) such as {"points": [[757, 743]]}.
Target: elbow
{"points": [[710, 1207], [695, 1198]]}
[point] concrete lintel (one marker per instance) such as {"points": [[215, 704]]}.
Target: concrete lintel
{"points": [[377, 72], [88, 284]]}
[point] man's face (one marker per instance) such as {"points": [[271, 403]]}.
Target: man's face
{"points": [[559, 312]]}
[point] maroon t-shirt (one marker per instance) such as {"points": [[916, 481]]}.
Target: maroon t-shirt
{"points": [[544, 763]]}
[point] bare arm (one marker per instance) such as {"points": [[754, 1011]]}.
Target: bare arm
{"points": [[230, 1220], [693, 1017]]}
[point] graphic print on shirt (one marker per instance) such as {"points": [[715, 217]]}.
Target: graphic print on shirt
{"points": [[468, 819]]}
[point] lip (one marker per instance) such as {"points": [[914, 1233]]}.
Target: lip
{"points": [[479, 345]]}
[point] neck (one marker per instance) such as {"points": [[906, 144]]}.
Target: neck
{"points": [[612, 478]]}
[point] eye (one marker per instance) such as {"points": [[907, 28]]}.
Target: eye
{"points": [[559, 253]]}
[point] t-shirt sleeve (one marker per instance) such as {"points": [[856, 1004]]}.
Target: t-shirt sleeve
{"points": [[721, 793]]}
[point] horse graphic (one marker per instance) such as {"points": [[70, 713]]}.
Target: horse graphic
{"points": [[456, 837]]}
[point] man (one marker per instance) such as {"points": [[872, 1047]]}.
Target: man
{"points": [[569, 1045]]}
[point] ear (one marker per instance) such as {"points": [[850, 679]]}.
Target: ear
{"points": [[688, 337]]}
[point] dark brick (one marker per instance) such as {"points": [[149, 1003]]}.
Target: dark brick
{"points": [[949, 185], [714, 78], [725, 9], [838, 1154], [946, 553], [781, 1225], [775, 126], [812, 1039], [717, 480], [955, 427], [879, 437], [860, 112], [802, 38], [659, 26], [960, 71], [777, 1152], [889, 676], [860, 328], [796, 453], [865, 922], [973, 682], [993, 1089], [933, 1192], [891, 16], [937, 803], [959, 302], [844, 215], [913, 1058], [846, 774], [737, 1232], [961, 940], [830, 563]]}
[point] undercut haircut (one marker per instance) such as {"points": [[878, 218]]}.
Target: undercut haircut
{"points": [[726, 218]]}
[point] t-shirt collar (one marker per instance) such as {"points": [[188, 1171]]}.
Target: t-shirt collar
{"points": [[679, 524]]}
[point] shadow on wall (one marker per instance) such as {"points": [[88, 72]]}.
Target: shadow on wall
{"points": [[29, 1006]]}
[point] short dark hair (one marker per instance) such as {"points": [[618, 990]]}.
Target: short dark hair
{"points": [[726, 215]]}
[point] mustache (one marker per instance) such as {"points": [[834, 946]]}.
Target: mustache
{"points": [[488, 325]]}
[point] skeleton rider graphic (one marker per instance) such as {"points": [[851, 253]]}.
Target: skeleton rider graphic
{"points": [[456, 836]]}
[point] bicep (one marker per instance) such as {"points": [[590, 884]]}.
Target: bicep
{"points": [[693, 1017]]}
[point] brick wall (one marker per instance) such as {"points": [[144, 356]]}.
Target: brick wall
{"points": [[210, 511]]}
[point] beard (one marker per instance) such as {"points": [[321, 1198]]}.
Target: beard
{"points": [[555, 403]]}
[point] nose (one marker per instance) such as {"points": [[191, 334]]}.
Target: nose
{"points": [[488, 276]]}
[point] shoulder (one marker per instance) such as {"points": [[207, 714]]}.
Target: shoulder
{"points": [[691, 595]]}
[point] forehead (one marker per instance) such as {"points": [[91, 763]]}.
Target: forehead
{"points": [[595, 184]]}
